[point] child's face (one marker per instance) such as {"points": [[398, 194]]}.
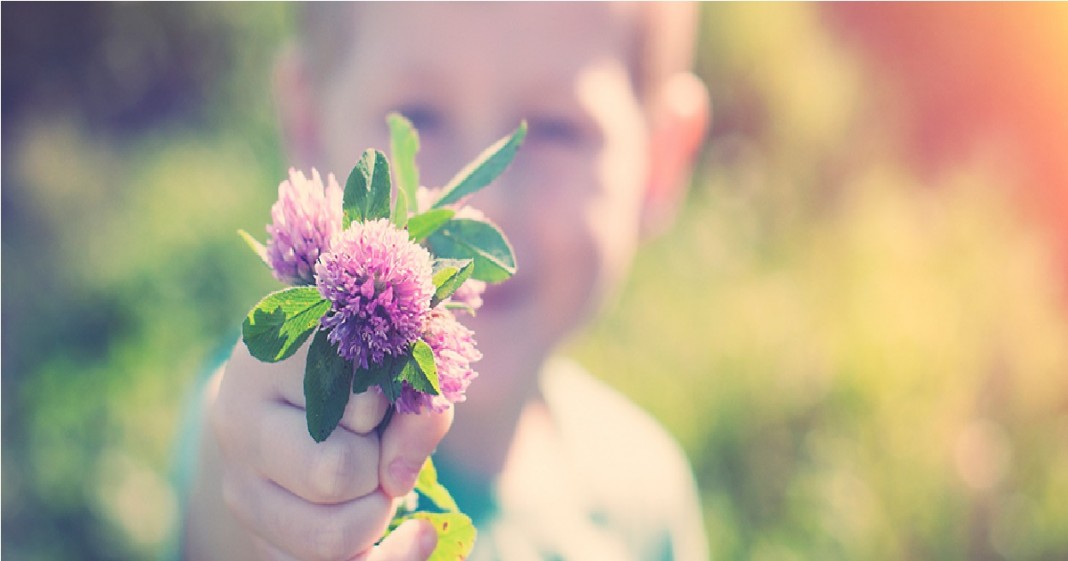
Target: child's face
{"points": [[466, 75]]}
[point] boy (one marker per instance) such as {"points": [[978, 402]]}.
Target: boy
{"points": [[549, 463]]}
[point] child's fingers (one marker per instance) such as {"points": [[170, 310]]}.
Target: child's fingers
{"points": [[364, 411], [272, 438], [362, 414], [406, 444], [304, 530], [412, 541], [339, 469]]}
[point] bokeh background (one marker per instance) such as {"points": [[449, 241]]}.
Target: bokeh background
{"points": [[858, 330]]}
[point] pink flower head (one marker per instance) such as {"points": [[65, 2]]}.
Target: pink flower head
{"points": [[454, 351], [306, 218], [470, 294], [379, 285]]}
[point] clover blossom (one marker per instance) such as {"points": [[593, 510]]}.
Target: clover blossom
{"points": [[469, 294], [454, 351], [306, 217], [379, 285]]}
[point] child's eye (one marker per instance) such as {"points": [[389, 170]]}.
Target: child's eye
{"points": [[425, 118], [555, 130]]}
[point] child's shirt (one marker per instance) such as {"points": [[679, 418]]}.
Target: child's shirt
{"points": [[606, 483]]}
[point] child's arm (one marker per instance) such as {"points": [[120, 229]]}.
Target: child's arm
{"points": [[265, 490]]}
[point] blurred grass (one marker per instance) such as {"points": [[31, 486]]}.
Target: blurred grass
{"points": [[123, 270], [885, 382], [861, 360]]}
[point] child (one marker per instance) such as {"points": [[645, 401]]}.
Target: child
{"points": [[549, 462]]}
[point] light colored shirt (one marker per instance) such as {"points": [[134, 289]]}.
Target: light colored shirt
{"points": [[613, 485]]}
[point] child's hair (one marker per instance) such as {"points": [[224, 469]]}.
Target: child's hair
{"points": [[662, 45]]}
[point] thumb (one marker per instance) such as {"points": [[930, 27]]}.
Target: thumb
{"points": [[406, 444]]}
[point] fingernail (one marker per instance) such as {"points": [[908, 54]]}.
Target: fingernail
{"points": [[428, 539], [403, 474]]}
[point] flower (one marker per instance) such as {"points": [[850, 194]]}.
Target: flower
{"points": [[469, 294], [306, 218], [379, 285], [454, 351]]}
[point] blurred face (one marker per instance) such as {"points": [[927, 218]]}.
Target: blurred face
{"points": [[466, 75]]}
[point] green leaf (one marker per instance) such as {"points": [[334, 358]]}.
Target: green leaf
{"points": [[384, 375], [419, 370], [367, 189], [484, 169], [443, 269], [422, 225], [403, 146], [256, 246], [327, 376], [458, 306], [449, 274], [400, 210], [280, 323], [363, 379], [456, 534], [427, 484], [478, 240]]}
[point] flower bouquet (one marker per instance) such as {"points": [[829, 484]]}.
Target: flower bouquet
{"points": [[376, 276]]}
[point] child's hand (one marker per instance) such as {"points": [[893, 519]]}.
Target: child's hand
{"points": [[295, 498]]}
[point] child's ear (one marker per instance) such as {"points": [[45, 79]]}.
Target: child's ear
{"points": [[679, 116], [293, 92]]}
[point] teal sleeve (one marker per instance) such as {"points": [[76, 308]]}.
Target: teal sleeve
{"points": [[186, 447]]}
